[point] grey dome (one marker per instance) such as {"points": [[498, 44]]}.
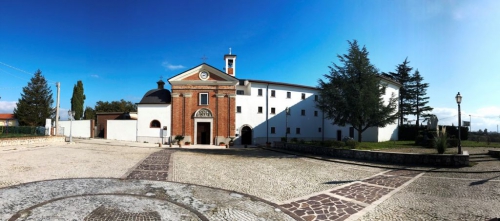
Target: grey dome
{"points": [[157, 96]]}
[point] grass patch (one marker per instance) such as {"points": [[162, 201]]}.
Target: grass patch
{"points": [[386, 145], [470, 143], [18, 135]]}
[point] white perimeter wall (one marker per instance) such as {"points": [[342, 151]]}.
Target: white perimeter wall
{"points": [[122, 130], [81, 128], [149, 112]]}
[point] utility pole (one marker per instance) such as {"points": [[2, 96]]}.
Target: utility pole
{"points": [[58, 85]]}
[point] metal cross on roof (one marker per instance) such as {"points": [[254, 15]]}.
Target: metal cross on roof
{"points": [[204, 58]]}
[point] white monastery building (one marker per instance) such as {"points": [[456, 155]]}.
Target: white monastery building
{"points": [[209, 106]]}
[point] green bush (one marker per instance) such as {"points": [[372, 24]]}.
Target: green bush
{"points": [[294, 140], [453, 142], [283, 139], [338, 144], [419, 140], [441, 143], [351, 144]]}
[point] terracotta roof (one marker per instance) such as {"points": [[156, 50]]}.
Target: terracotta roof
{"points": [[7, 116]]}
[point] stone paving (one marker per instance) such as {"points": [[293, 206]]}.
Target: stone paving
{"points": [[154, 167], [347, 200], [131, 181]]}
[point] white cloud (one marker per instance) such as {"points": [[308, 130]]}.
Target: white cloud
{"points": [[94, 75], [7, 107], [169, 66]]}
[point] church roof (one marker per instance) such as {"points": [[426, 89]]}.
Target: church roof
{"points": [[157, 96]]}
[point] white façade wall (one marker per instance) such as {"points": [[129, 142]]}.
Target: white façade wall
{"points": [[309, 124], [80, 128], [149, 112], [122, 130], [389, 132]]}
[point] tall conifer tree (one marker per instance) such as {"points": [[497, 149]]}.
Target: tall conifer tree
{"points": [[35, 104], [403, 76], [77, 100], [419, 101], [352, 93]]}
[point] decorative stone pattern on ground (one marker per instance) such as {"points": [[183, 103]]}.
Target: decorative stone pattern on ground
{"points": [[344, 201], [154, 167], [388, 181], [362, 192], [134, 200], [323, 207], [104, 213]]}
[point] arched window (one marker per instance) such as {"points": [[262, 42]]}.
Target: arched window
{"points": [[155, 124]]}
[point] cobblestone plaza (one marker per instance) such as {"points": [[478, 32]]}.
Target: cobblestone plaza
{"points": [[106, 180]]}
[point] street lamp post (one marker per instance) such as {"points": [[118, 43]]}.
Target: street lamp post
{"points": [[71, 114], [470, 123], [458, 98]]}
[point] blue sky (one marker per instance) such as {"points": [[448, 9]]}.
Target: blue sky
{"points": [[119, 49]]}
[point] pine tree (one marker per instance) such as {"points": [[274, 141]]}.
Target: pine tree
{"points": [[77, 100], [35, 104], [403, 76], [418, 91], [353, 93]]}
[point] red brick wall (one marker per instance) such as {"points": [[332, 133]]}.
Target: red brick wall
{"points": [[224, 117]]}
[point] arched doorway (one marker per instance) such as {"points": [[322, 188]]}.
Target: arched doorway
{"points": [[246, 135]]}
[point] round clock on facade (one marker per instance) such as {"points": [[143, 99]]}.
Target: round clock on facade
{"points": [[204, 75]]}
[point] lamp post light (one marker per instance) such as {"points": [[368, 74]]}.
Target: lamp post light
{"points": [[71, 114], [458, 98]]}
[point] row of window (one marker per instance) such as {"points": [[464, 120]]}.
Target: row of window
{"points": [[297, 130], [288, 94], [203, 97], [273, 111]]}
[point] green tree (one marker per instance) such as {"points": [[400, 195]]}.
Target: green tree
{"points": [[89, 113], [403, 76], [35, 104], [352, 93], [115, 106], [77, 100], [419, 101]]}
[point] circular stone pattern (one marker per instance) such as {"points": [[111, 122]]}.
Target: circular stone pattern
{"points": [[106, 207], [114, 199]]}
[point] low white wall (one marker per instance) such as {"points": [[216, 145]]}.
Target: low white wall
{"points": [[122, 130], [80, 128]]}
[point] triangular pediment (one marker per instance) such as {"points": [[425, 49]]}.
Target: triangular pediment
{"points": [[211, 76]]}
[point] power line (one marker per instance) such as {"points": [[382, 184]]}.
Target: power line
{"points": [[23, 71]]}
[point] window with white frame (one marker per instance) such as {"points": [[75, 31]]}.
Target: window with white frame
{"points": [[238, 109], [203, 98], [288, 94], [259, 92]]}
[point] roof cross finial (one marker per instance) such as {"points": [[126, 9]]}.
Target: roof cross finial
{"points": [[229, 50], [161, 78], [204, 58]]}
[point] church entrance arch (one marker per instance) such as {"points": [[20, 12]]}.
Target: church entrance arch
{"points": [[203, 126], [246, 135]]}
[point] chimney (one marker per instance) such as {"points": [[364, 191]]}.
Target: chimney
{"points": [[161, 84]]}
